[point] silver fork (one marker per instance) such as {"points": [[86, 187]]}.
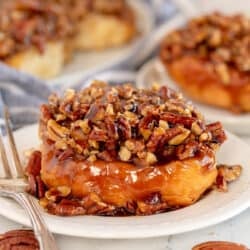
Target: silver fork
{"points": [[14, 185]]}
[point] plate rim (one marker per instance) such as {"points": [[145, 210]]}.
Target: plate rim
{"points": [[58, 229]]}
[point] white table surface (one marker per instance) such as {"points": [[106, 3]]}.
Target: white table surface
{"points": [[236, 229]]}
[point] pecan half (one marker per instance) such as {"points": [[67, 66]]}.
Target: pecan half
{"points": [[219, 245], [18, 240]]}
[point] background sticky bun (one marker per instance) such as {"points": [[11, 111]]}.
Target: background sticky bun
{"points": [[210, 59], [46, 32], [108, 23], [120, 150]]}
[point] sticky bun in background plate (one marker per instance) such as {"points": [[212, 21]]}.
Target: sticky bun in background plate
{"points": [[118, 150], [47, 32], [209, 59]]}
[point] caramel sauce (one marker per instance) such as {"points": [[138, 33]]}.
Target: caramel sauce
{"points": [[118, 183]]}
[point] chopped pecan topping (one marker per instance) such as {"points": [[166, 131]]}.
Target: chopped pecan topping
{"points": [[124, 154], [140, 126], [189, 150], [223, 41]]}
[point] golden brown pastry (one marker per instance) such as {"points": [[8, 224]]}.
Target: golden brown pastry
{"points": [[209, 59], [120, 150], [38, 36], [110, 23], [33, 35]]}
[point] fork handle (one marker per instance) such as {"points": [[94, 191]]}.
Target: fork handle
{"points": [[43, 235]]}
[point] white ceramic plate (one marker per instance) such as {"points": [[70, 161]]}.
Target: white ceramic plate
{"points": [[154, 71], [212, 209], [87, 63]]}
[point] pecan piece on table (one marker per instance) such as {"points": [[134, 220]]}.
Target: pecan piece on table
{"points": [[219, 245], [18, 240]]}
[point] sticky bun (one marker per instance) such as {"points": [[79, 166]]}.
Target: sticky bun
{"points": [[209, 59], [112, 150], [39, 36]]}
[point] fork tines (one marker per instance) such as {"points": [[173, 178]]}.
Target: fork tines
{"points": [[17, 163]]}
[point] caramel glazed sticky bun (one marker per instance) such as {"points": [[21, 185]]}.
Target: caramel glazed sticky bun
{"points": [[210, 56], [47, 32], [118, 150]]}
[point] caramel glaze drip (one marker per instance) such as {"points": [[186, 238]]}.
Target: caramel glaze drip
{"points": [[179, 183]]}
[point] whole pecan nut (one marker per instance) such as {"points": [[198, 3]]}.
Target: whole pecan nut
{"points": [[219, 245], [18, 240]]}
